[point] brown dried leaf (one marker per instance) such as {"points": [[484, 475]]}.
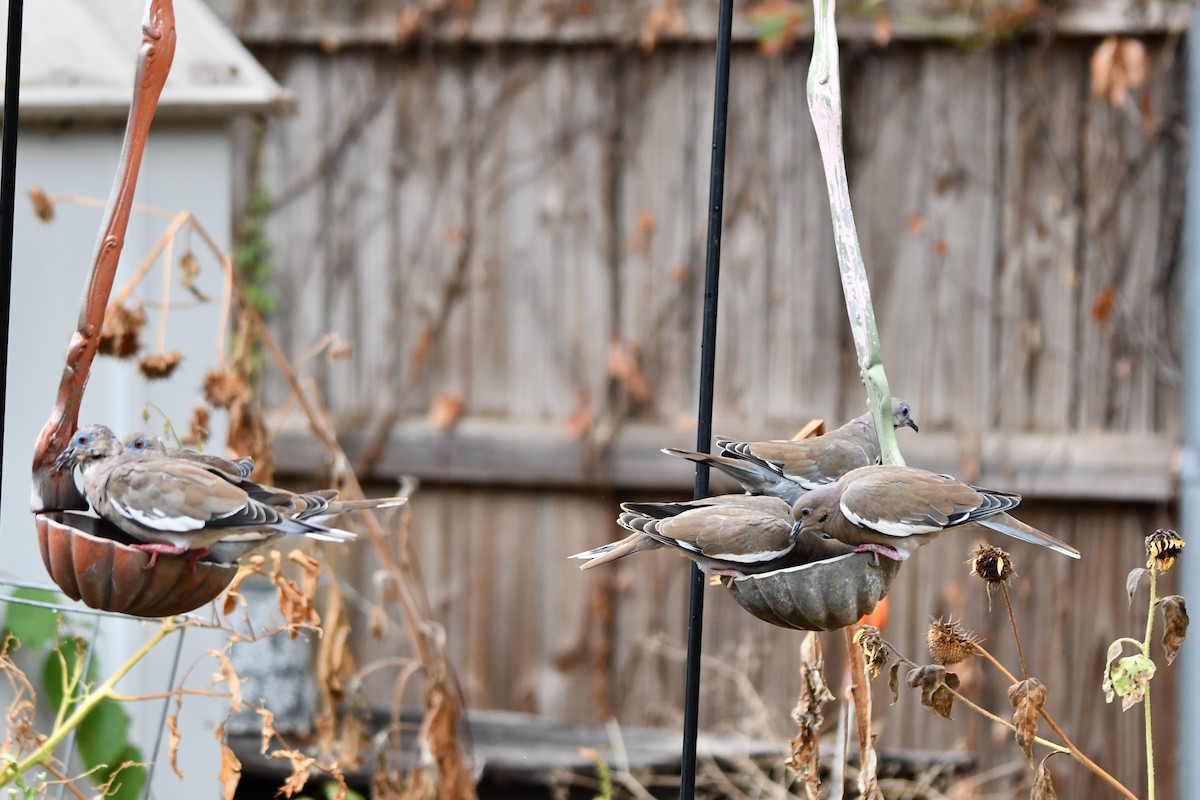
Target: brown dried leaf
{"points": [[1118, 64], [894, 681], [936, 685], [268, 728], [445, 411], [624, 364], [198, 427], [189, 270], [1027, 697], [231, 767], [160, 365], [1102, 306], [1175, 625], [43, 206], [1043, 784], [120, 335], [805, 759], [301, 764], [223, 388], [173, 744], [230, 677]]}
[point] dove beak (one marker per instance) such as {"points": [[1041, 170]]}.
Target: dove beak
{"points": [[65, 458], [912, 423], [795, 534]]}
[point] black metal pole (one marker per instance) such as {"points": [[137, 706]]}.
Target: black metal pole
{"points": [[708, 347], [8, 189]]}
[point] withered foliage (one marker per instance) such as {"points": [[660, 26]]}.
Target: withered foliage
{"points": [[1027, 697], [160, 365], [223, 388], [992, 565], [877, 652], [805, 759], [121, 334], [43, 206], [1175, 625], [1162, 548], [1043, 783], [937, 687]]}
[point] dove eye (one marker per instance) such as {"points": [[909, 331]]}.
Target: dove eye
{"points": [[82, 439], [804, 512], [904, 411], [138, 444]]}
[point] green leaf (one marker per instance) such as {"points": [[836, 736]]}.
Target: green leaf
{"points": [[102, 736], [32, 625]]}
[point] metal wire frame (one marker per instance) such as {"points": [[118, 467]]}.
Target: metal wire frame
{"points": [[77, 608]]}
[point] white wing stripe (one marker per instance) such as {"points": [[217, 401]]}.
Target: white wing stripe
{"points": [[888, 527], [155, 519]]}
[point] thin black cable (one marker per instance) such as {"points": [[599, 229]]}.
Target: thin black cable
{"points": [[708, 361], [8, 188]]}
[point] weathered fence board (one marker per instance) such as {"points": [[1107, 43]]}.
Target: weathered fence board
{"points": [[523, 228]]}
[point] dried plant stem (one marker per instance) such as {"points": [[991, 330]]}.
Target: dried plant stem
{"points": [[1058, 748], [825, 107], [177, 223], [1074, 751], [860, 691], [45, 752], [1012, 618]]}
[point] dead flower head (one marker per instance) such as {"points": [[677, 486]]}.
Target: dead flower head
{"points": [[222, 388], [160, 365], [1162, 548], [949, 642], [43, 206], [876, 649], [992, 564], [120, 335]]}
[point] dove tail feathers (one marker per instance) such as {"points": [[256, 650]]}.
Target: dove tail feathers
{"points": [[1010, 526], [613, 550], [754, 476]]}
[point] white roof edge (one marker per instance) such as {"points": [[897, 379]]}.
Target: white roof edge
{"points": [[79, 57]]}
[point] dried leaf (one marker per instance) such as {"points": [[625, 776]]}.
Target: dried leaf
{"points": [[189, 270], [1132, 580], [1027, 697], [120, 335], [1043, 784], [894, 681], [268, 728], [223, 388], [625, 366], [231, 767], [876, 650], [1102, 306], [43, 206], [936, 685], [173, 744], [301, 764], [160, 365], [1118, 65], [198, 427], [1175, 625], [445, 411], [805, 759], [230, 677]]}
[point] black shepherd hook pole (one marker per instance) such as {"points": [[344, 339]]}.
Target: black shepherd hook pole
{"points": [[8, 187], [708, 347]]}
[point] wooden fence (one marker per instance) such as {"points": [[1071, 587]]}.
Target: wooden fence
{"points": [[502, 210]]}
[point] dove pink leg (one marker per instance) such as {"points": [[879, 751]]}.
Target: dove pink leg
{"points": [[880, 550]]}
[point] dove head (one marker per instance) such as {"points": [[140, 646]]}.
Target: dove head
{"points": [[902, 414], [814, 509], [89, 444], [145, 443]]}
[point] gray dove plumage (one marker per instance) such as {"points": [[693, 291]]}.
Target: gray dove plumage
{"points": [[891, 511], [176, 505], [725, 535]]}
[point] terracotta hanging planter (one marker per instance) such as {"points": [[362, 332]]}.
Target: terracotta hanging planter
{"points": [[90, 560], [86, 557], [820, 596]]}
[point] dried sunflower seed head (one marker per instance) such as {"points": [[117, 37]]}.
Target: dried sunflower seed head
{"points": [[992, 564], [1162, 548], [949, 642]]}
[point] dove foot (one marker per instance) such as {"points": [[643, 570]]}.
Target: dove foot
{"points": [[726, 573], [155, 548], [880, 550]]}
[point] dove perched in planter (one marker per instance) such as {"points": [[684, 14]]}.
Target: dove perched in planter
{"points": [[318, 506], [892, 511], [149, 443], [176, 505], [787, 468], [729, 535], [783, 469]]}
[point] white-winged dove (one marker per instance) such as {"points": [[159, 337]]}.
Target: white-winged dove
{"points": [[175, 505], [787, 468], [892, 511], [149, 443], [725, 535]]}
